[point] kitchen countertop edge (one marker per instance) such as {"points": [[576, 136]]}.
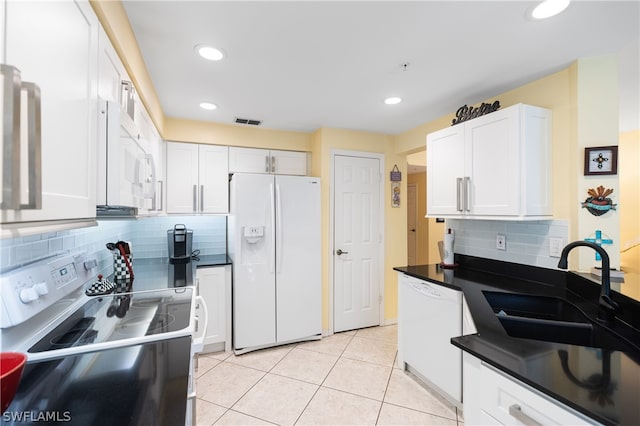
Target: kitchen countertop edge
{"points": [[479, 346]]}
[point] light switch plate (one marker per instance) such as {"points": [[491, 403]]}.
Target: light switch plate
{"points": [[501, 242], [555, 246]]}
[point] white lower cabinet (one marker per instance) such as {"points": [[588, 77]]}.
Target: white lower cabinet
{"points": [[214, 286], [493, 398]]}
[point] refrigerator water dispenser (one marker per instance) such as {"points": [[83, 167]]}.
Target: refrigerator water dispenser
{"points": [[253, 245]]}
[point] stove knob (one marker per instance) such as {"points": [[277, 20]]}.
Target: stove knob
{"points": [[41, 288], [28, 295]]}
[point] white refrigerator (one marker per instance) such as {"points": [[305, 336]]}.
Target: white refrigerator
{"points": [[274, 244]]}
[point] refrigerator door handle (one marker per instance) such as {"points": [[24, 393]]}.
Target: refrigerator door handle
{"points": [[272, 246], [279, 253]]}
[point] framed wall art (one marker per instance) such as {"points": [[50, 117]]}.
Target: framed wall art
{"points": [[601, 160]]}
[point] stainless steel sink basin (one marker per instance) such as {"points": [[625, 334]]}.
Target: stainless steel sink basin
{"points": [[551, 319]]}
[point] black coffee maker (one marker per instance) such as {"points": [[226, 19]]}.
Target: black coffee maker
{"points": [[180, 243]]}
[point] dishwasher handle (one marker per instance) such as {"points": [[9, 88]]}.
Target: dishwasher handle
{"points": [[426, 290]]}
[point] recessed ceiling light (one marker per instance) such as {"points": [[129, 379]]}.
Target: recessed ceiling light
{"points": [[393, 101], [549, 8], [208, 106], [210, 53]]}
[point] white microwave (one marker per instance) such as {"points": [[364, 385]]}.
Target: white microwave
{"points": [[126, 174]]}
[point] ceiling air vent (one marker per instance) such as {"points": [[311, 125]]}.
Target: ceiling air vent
{"points": [[248, 121]]}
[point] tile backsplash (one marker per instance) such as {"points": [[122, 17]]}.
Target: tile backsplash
{"points": [[148, 237], [526, 242]]}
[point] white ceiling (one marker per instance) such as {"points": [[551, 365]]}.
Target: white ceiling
{"points": [[309, 64]]}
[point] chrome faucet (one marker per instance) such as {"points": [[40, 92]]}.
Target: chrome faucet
{"points": [[607, 307]]}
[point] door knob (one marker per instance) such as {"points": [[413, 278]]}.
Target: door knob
{"points": [[413, 230], [339, 252]]}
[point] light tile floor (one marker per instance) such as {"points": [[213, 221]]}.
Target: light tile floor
{"points": [[349, 378]]}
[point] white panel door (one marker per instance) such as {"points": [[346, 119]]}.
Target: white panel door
{"points": [[445, 165], [213, 196], [411, 224], [357, 240], [298, 258], [254, 292], [495, 179], [182, 177]]}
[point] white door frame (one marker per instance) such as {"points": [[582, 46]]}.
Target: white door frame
{"points": [[361, 154], [415, 219]]}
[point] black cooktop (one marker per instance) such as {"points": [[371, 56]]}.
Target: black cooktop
{"points": [[121, 316]]}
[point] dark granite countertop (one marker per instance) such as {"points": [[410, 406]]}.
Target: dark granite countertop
{"points": [[603, 384], [159, 273]]}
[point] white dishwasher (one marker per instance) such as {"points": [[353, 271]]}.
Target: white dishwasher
{"points": [[429, 315]]}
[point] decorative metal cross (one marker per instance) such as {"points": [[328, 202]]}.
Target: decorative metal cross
{"points": [[599, 241]]}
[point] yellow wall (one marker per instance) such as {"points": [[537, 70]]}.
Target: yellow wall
{"points": [[233, 135], [629, 170], [597, 125], [426, 247]]}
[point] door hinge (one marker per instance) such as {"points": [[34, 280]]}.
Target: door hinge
{"points": [[380, 299]]}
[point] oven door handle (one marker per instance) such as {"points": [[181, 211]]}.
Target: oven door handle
{"points": [[198, 342]]}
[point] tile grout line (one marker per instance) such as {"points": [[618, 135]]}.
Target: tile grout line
{"points": [[323, 380], [386, 387]]}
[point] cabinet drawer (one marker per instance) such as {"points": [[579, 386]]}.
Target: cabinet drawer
{"points": [[511, 402]]}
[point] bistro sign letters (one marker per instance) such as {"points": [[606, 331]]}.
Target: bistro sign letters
{"points": [[465, 112]]}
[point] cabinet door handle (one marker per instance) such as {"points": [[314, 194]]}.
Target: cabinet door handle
{"points": [[458, 194], [13, 87], [34, 147], [202, 198], [158, 193], [516, 412], [266, 164], [467, 194], [161, 195], [273, 164], [195, 197], [11, 194], [11, 137]]}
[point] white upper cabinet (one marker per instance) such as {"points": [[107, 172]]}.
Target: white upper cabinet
{"points": [[197, 178], [494, 166], [51, 54], [252, 160]]}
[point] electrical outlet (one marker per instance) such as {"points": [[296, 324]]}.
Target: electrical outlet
{"points": [[501, 242], [555, 246]]}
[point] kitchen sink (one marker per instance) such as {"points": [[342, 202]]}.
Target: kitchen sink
{"points": [[534, 307], [551, 319]]}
